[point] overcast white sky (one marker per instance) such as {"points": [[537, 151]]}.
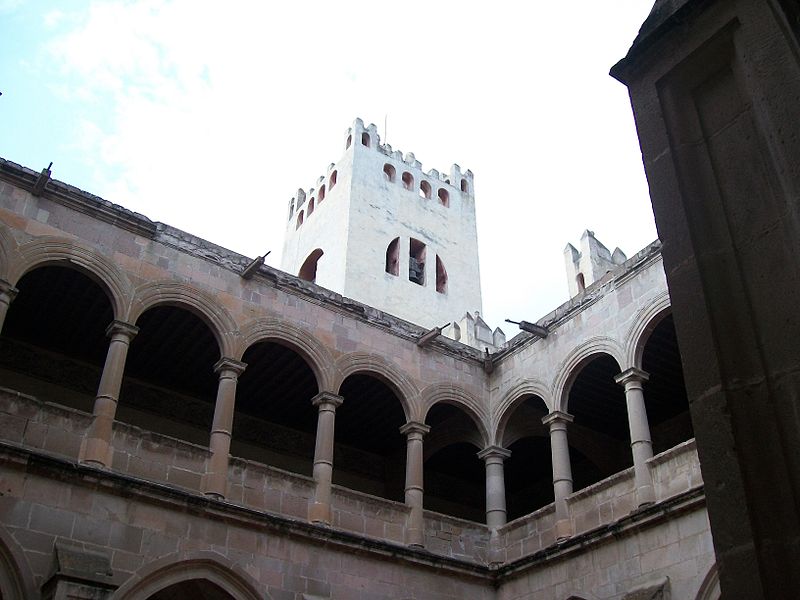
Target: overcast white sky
{"points": [[209, 115]]}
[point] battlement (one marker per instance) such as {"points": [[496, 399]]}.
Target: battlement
{"points": [[591, 264]]}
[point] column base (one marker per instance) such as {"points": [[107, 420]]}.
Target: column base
{"points": [[95, 452], [319, 514], [645, 496], [563, 529], [415, 538]]}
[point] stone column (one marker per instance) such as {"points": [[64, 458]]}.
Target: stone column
{"points": [[641, 444], [562, 470], [494, 456], [415, 531], [96, 448], [320, 510], [7, 294], [221, 429]]}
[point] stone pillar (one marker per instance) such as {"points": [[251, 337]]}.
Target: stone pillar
{"points": [[7, 295], [641, 444], [96, 448], [320, 510], [221, 429], [557, 421], [494, 456], [415, 531]]}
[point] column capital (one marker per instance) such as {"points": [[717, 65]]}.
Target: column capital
{"points": [[8, 290], [413, 427], [327, 400], [121, 328], [632, 375], [557, 416], [496, 452], [229, 364]]}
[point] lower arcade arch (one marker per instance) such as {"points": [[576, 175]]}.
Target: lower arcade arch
{"points": [[274, 420], [528, 470], [170, 385], [369, 450], [599, 437], [454, 476], [53, 343]]}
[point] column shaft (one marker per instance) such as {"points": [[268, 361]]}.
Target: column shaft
{"points": [[320, 510], [415, 530], [96, 448], [562, 470], [219, 443], [493, 457], [641, 444]]}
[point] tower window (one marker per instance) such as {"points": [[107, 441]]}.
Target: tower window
{"points": [[321, 194], [389, 172], [424, 189], [444, 197], [299, 220], [308, 271], [393, 257], [464, 186], [349, 142], [333, 180], [310, 207], [365, 139], [581, 283], [408, 181], [441, 276], [416, 262], [291, 209]]}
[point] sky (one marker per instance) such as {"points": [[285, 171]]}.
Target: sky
{"points": [[208, 116]]}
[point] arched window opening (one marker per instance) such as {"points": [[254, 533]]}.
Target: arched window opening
{"points": [[291, 209], [416, 262], [299, 220], [365, 141], [665, 392], [321, 194], [581, 283], [424, 189], [349, 142], [444, 197], [599, 437], [310, 207], [275, 422], [170, 386], [393, 257], [408, 181], [389, 172], [308, 272], [370, 451], [53, 344], [193, 588], [441, 276], [332, 181], [528, 471], [464, 186]]}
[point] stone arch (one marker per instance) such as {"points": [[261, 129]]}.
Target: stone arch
{"points": [[58, 251], [8, 249], [447, 393], [512, 399], [299, 340], [646, 320], [207, 566], [16, 578], [156, 293], [709, 588], [571, 366], [373, 364]]}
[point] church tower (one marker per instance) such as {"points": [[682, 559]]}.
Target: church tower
{"points": [[378, 229]]}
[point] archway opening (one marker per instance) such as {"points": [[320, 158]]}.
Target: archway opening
{"points": [[424, 189], [528, 471], [665, 392], [600, 429], [197, 589], [454, 476], [370, 451], [275, 422], [393, 257], [408, 181], [53, 344], [170, 386], [308, 271], [441, 276], [389, 172]]}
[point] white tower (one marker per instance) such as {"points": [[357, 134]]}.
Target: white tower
{"points": [[379, 230]]}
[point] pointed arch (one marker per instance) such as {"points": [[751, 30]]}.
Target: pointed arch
{"points": [[206, 307], [373, 364], [173, 569], [646, 320], [74, 254], [570, 366], [16, 578], [516, 395], [317, 356], [447, 393]]}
